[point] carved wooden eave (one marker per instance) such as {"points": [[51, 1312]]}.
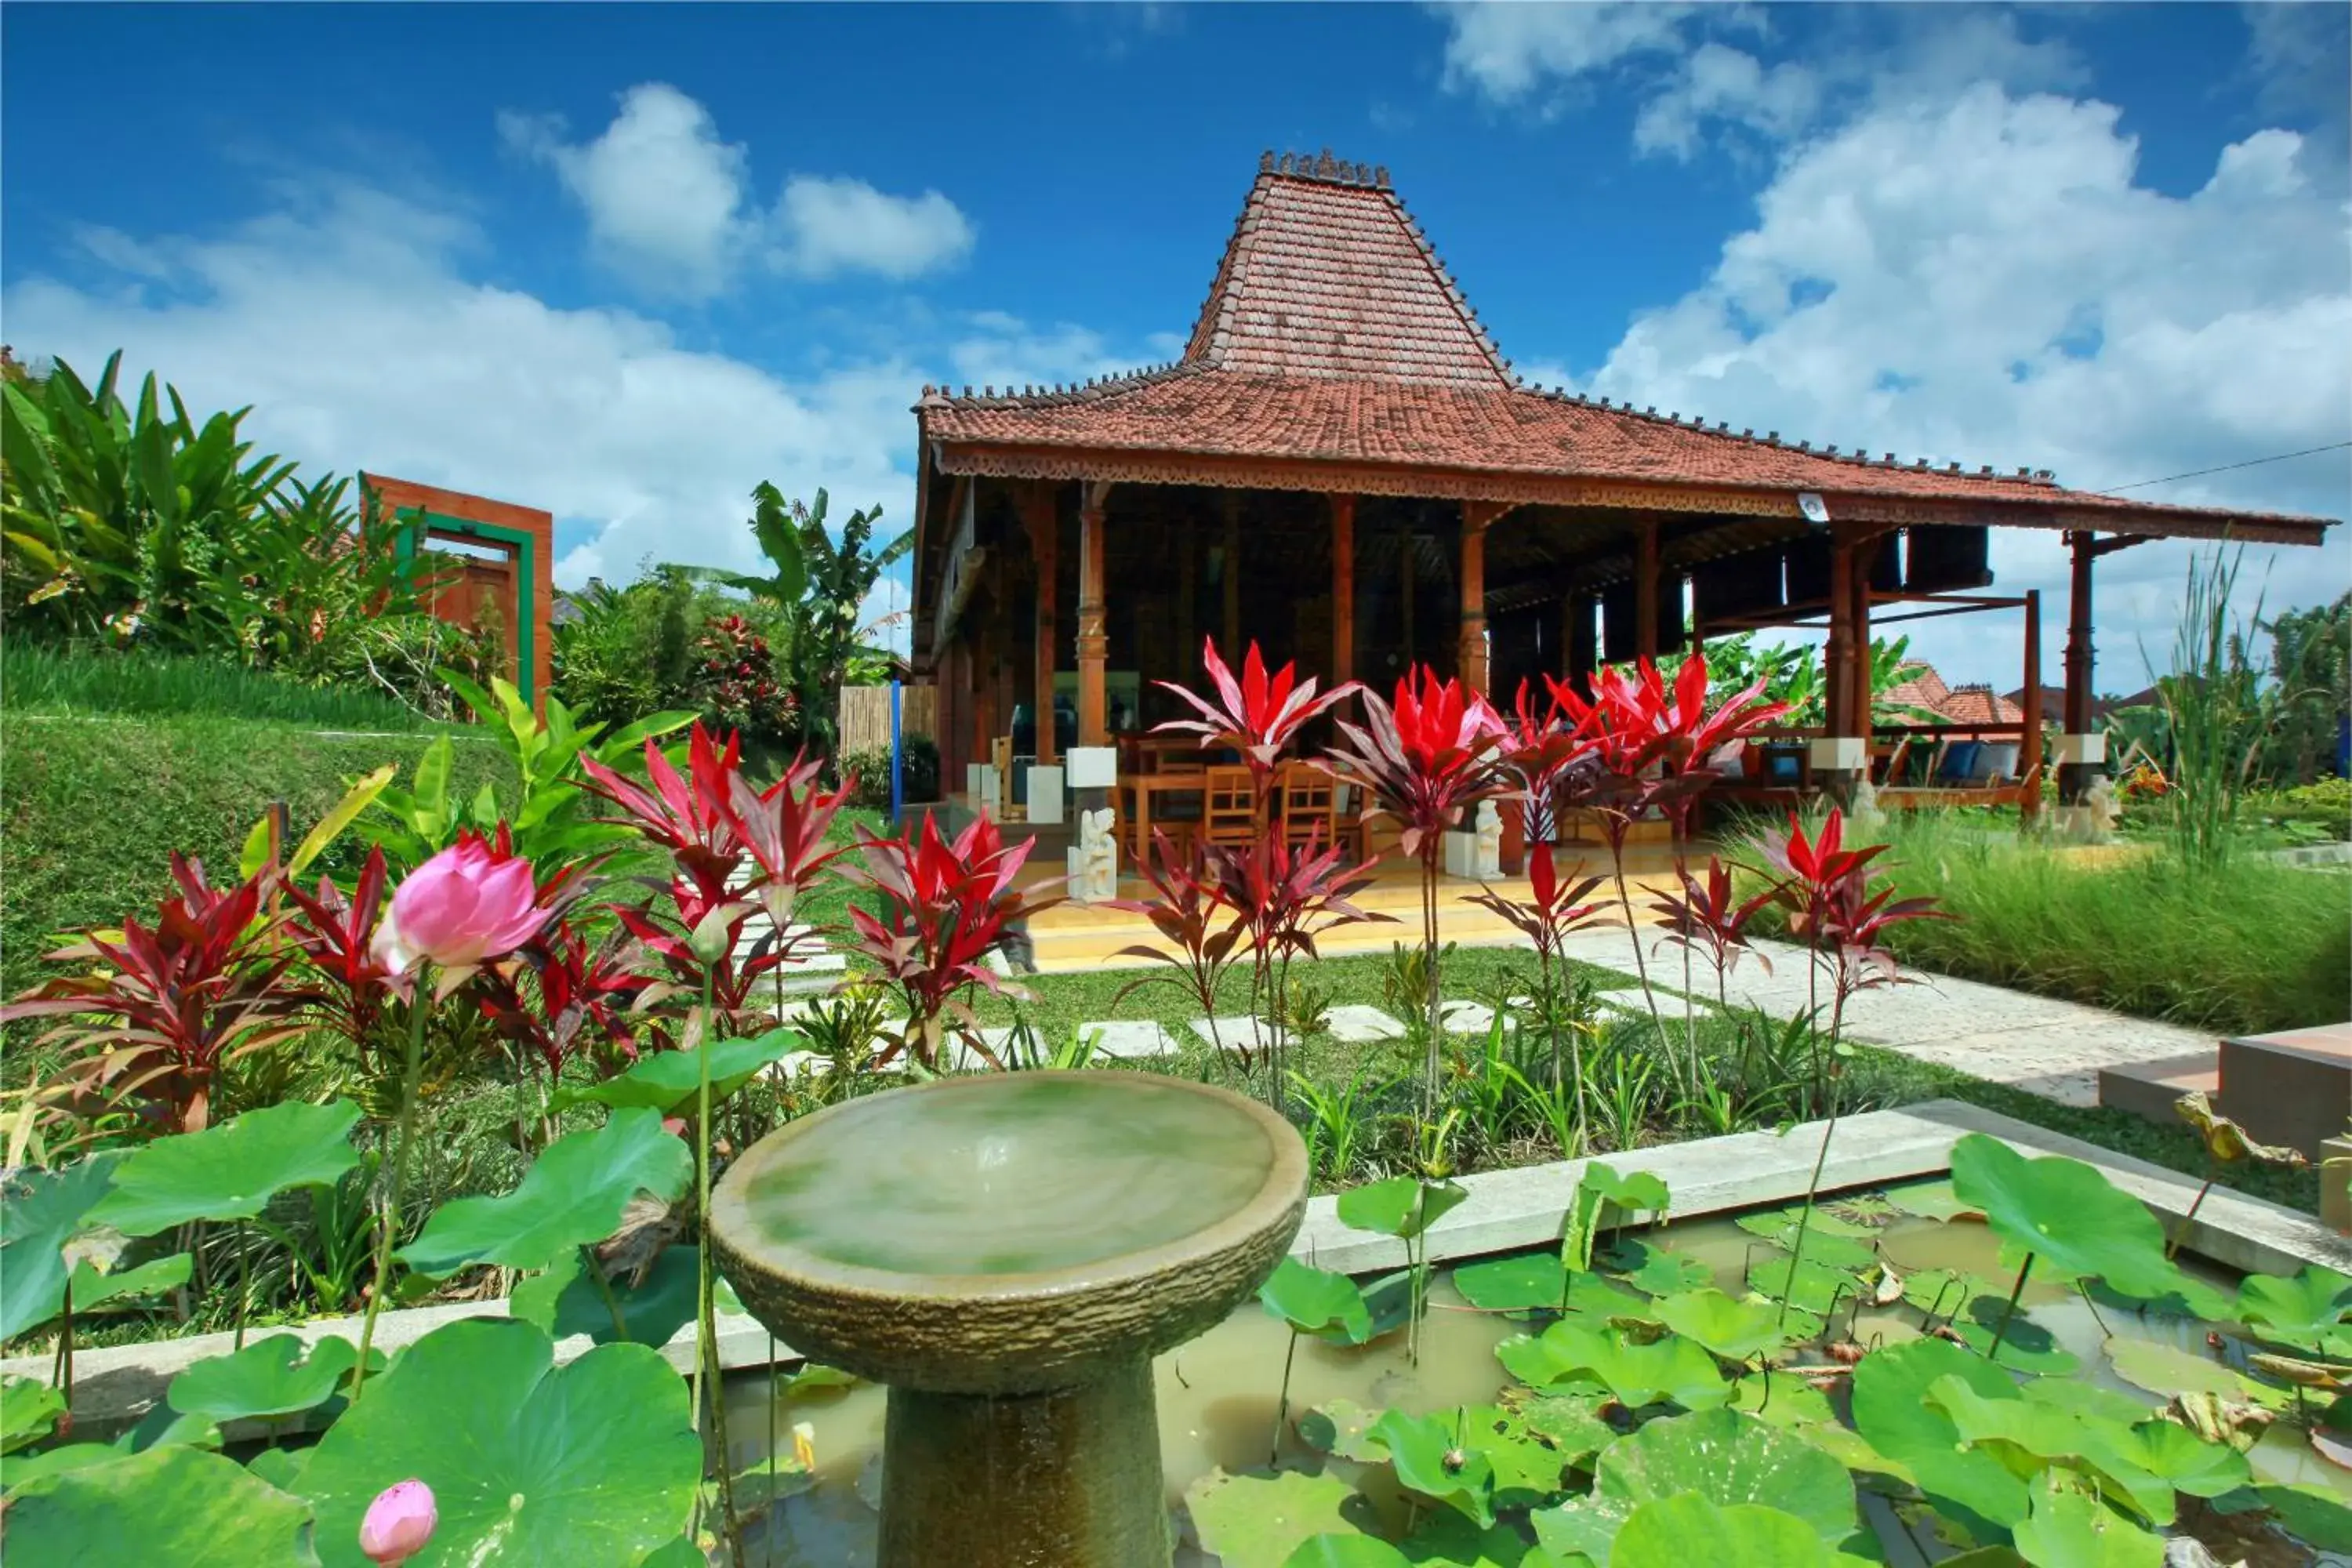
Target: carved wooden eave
{"points": [[2060, 512]]}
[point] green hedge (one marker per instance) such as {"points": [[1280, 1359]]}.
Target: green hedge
{"points": [[91, 807]]}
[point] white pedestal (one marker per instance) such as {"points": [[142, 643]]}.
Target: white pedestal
{"points": [[1839, 754], [1091, 767], [988, 790], [1044, 793], [2090, 749], [1461, 853]]}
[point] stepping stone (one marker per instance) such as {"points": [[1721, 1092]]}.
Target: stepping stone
{"points": [[1467, 1017], [1130, 1039], [1356, 1022], [1230, 1032]]}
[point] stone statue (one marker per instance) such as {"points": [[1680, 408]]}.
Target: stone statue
{"points": [[2092, 819], [1093, 864], [1490, 841], [1865, 810]]}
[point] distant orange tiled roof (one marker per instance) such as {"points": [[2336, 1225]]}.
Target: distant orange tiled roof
{"points": [[1968, 704], [1333, 333]]}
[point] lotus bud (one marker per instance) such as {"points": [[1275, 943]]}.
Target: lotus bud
{"points": [[468, 905], [713, 937], [398, 1523]]}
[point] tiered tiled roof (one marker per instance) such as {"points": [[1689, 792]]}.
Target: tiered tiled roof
{"points": [[1966, 704], [1334, 335]]}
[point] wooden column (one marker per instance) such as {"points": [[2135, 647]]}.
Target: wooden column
{"points": [[1188, 591], [1232, 648], [1645, 590], [1094, 641], [1837, 654], [1038, 513], [1865, 560], [2075, 778], [1470, 652], [2029, 755], [1343, 589]]}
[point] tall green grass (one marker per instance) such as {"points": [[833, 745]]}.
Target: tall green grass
{"points": [[2241, 946], [38, 679]]}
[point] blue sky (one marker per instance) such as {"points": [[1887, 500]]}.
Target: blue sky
{"points": [[625, 261]]}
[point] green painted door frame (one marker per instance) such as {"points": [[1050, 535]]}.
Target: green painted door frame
{"points": [[526, 565]]}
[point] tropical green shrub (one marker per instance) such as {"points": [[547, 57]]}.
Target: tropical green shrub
{"points": [[41, 678], [2323, 808]]}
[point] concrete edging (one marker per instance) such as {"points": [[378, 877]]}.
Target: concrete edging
{"points": [[1506, 1211]]}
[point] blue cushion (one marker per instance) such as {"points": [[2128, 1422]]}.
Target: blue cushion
{"points": [[1960, 760]]}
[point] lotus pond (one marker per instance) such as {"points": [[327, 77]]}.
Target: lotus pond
{"points": [[1700, 1392]]}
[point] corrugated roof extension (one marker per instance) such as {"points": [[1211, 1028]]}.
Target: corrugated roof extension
{"points": [[1333, 334]]}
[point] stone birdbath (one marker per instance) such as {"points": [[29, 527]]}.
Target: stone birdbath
{"points": [[1007, 1252]]}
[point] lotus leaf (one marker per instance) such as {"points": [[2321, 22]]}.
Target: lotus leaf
{"points": [[2086, 1399], [566, 1301], [2165, 1369], [1720, 1455], [1944, 1290], [41, 1210], [593, 1462], [2071, 1528], [1635, 1191], [1389, 1300], [1314, 1299], [282, 1467], [1653, 1268], [2026, 1346], [1672, 1368], [1257, 1520], [1526, 1469], [1679, 1532], [28, 1412], [2186, 1462], [1338, 1426], [1792, 1401], [1430, 1457], [2310, 1515], [2300, 1310], [232, 1171], [1571, 1422], [572, 1194], [671, 1081], [1400, 1207], [1536, 1281], [268, 1378], [1932, 1200], [1346, 1551], [94, 1289], [2064, 1212], [1734, 1330], [1892, 1413], [171, 1505], [2051, 1435], [1449, 1540], [1812, 1286]]}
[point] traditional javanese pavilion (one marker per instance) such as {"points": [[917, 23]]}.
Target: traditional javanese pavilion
{"points": [[1343, 467]]}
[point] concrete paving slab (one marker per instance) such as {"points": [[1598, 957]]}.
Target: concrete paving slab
{"points": [[1356, 1023], [1130, 1039]]}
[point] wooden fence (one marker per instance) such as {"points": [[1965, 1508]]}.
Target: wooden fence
{"points": [[865, 715]]}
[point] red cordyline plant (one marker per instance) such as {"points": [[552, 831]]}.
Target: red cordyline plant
{"points": [[1287, 896], [335, 932], [947, 905], [1257, 716], [171, 1004], [1555, 910], [1203, 931], [1424, 760]]}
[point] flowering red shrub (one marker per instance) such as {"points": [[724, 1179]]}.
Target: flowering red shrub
{"points": [[735, 682]]}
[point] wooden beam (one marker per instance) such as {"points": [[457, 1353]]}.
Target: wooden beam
{"points": [[1094, 640], [1037, 512], [1232, 576], [1343, 589]]}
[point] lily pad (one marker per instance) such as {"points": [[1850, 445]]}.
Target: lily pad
{"points": [[1932, 1200], [566, 1301], [29, 1409], [574, 1193], [1448, 1540], [1653, 1268], [1734, 1330], [1536, 1281], [596, 1461], [171, 1505], [1633, 1193], [2027, 1346], [671, 1081], [2165, 1369], [2083, 1398], [2065, 1212], [1571, 1422], [282, 1467], [2023, 1432], [2312, 1517], [1431, 1459], [1677, 1531], [2071, 1528], [268, 1378], [95, 1289], [1814, 1286], [40, 1213], [2186, 1462], [1401, 1206], [232, 1171], [1792, 1401], [1338, 1426], [1257, 1520], [1346, 1551], [1670, 1369], [1312, 1301], [1719, 1455], [2300, 1310], [1892, 1412]]}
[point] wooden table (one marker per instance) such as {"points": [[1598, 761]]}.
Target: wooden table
{"points": [[1135, 796]]}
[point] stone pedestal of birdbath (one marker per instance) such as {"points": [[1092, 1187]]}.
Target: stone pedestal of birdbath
{"points": [[1007, 1252]]}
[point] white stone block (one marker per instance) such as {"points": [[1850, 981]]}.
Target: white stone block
{"points": [[2081, 749], [1091, 767], [1461, 853], [1839, 754], [1044, 793], [988, 790], [1358, 1023]]}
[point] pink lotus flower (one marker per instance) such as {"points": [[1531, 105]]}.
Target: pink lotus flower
{"points": [[398, 1523], [473, 902]]}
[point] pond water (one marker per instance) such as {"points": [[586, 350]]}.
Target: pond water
{"points": [[1217, 1397]]}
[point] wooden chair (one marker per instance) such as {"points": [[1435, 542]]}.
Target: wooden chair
{"points": [[1228, 815], [1308, 805]]}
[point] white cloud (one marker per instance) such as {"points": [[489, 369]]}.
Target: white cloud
{"points": [[831, 226], [1721, 83], [1981, 280], [665, 196], [669, 203], [1508, 50]]}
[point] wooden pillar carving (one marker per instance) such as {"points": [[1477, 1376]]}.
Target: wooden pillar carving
{"points": [[2029, 755], [2075, 778], [1233, 576], [1037, 513], [1645, 590], [1094, 640], [1343, 589]]}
